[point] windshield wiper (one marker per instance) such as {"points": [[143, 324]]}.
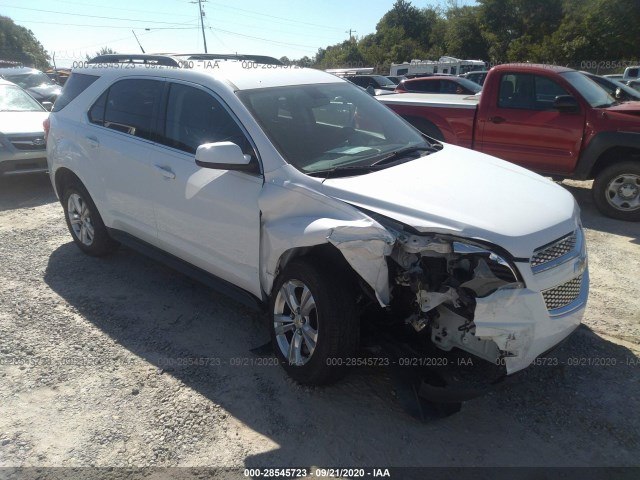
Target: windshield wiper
{"points": [[379, 164], [403, 152]]}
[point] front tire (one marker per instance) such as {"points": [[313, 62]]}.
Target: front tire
{"points": [[616, 191], [84, 222], [314, 326]]}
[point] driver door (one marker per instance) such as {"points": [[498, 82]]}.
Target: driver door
{"points": [[209, 218]]}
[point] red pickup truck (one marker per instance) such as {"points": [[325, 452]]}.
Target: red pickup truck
{"points": [[552, 120]]}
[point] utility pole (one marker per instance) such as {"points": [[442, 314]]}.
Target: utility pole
{"points": [[139, 44], [204, 39], [350, 36]]}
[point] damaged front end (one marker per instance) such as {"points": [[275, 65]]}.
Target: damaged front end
{"points": [[437, 284], [459, 293]]}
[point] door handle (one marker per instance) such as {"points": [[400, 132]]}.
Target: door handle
{"points": [[93, 142], [497, 119], [166, 172]]}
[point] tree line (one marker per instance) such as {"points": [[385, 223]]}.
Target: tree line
{"points": [[595, 35]]}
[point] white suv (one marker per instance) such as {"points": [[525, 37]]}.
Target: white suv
{"points": [[299, 192]]}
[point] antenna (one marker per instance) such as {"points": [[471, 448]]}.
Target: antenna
{"points": [[139, 44]]}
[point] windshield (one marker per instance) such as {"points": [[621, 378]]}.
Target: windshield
{"points": [[384, 81], [611, 85], [14, 99], [323, 126], [595, 95], [30, 80], [468, 84]]}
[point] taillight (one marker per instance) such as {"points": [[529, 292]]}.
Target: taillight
{"points": [[46, 124]]}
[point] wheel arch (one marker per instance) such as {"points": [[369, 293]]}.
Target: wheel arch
{"points": [[63, 177], [328, 254], [425, 126], [606, 149]]}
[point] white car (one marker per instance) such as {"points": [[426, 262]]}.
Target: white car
{"points": [[22, 146], [297, 191]]}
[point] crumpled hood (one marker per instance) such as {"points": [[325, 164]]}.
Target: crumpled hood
{"points": [[466, 193], [22, 122]]}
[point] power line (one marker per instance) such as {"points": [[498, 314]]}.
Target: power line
{"points": [[263, 39], [90, 16], [84, 4], [259, 14], [101, 26]]}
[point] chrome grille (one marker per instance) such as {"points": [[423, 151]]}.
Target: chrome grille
{"points": [[562, 295], [553, 251]]}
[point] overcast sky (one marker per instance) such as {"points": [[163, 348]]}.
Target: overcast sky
{"points": [[72, 28]]}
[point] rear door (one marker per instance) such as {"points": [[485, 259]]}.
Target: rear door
{"points": [[521, 125], [123, 132]]}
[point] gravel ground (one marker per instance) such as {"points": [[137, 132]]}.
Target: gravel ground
{"points": [[95, 370]]}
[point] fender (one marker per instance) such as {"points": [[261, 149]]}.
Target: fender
{"points": [[600, 144], [295, 216]]}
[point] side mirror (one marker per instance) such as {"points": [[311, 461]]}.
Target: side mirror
{"points": [[566, 103], [47, 105], [224, 156]]}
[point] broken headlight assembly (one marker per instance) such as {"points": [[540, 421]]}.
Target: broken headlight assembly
{"points": [[436, 281]]}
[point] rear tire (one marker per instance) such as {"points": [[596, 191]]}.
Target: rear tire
{"points": [[616, 191], [84, 222], [313, 323]]}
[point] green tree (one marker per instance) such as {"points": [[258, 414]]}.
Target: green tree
{"points": [[102, 51], [463, 37], [19, 44]]}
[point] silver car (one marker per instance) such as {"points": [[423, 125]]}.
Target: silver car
{"points": [[22, 140]]}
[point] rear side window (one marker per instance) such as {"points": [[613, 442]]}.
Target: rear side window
{"points": [[129, 106], [430, 86], [75, 85]]}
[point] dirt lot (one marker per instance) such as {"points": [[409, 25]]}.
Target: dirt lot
{"points": [[93, 354]]}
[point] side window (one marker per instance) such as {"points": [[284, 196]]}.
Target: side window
{"points": [[517, 91], [96, 114], [546, 92], [432, 86], [75, 85], [447, 86], [194, 117], [128, 106], [529, 92]]}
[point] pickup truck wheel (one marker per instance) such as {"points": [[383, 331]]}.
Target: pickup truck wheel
{"points": [[616, 191], [314, 326], [84, 222]]}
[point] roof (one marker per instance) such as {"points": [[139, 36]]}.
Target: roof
{"points": [[532, 66], [435, 100], [243, 75]]}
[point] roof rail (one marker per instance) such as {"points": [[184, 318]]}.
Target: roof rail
{"points": [[263, 59], [136, 58]]}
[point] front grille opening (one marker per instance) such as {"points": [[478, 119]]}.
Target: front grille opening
{"points": [[562, 295], [555, 250]]}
